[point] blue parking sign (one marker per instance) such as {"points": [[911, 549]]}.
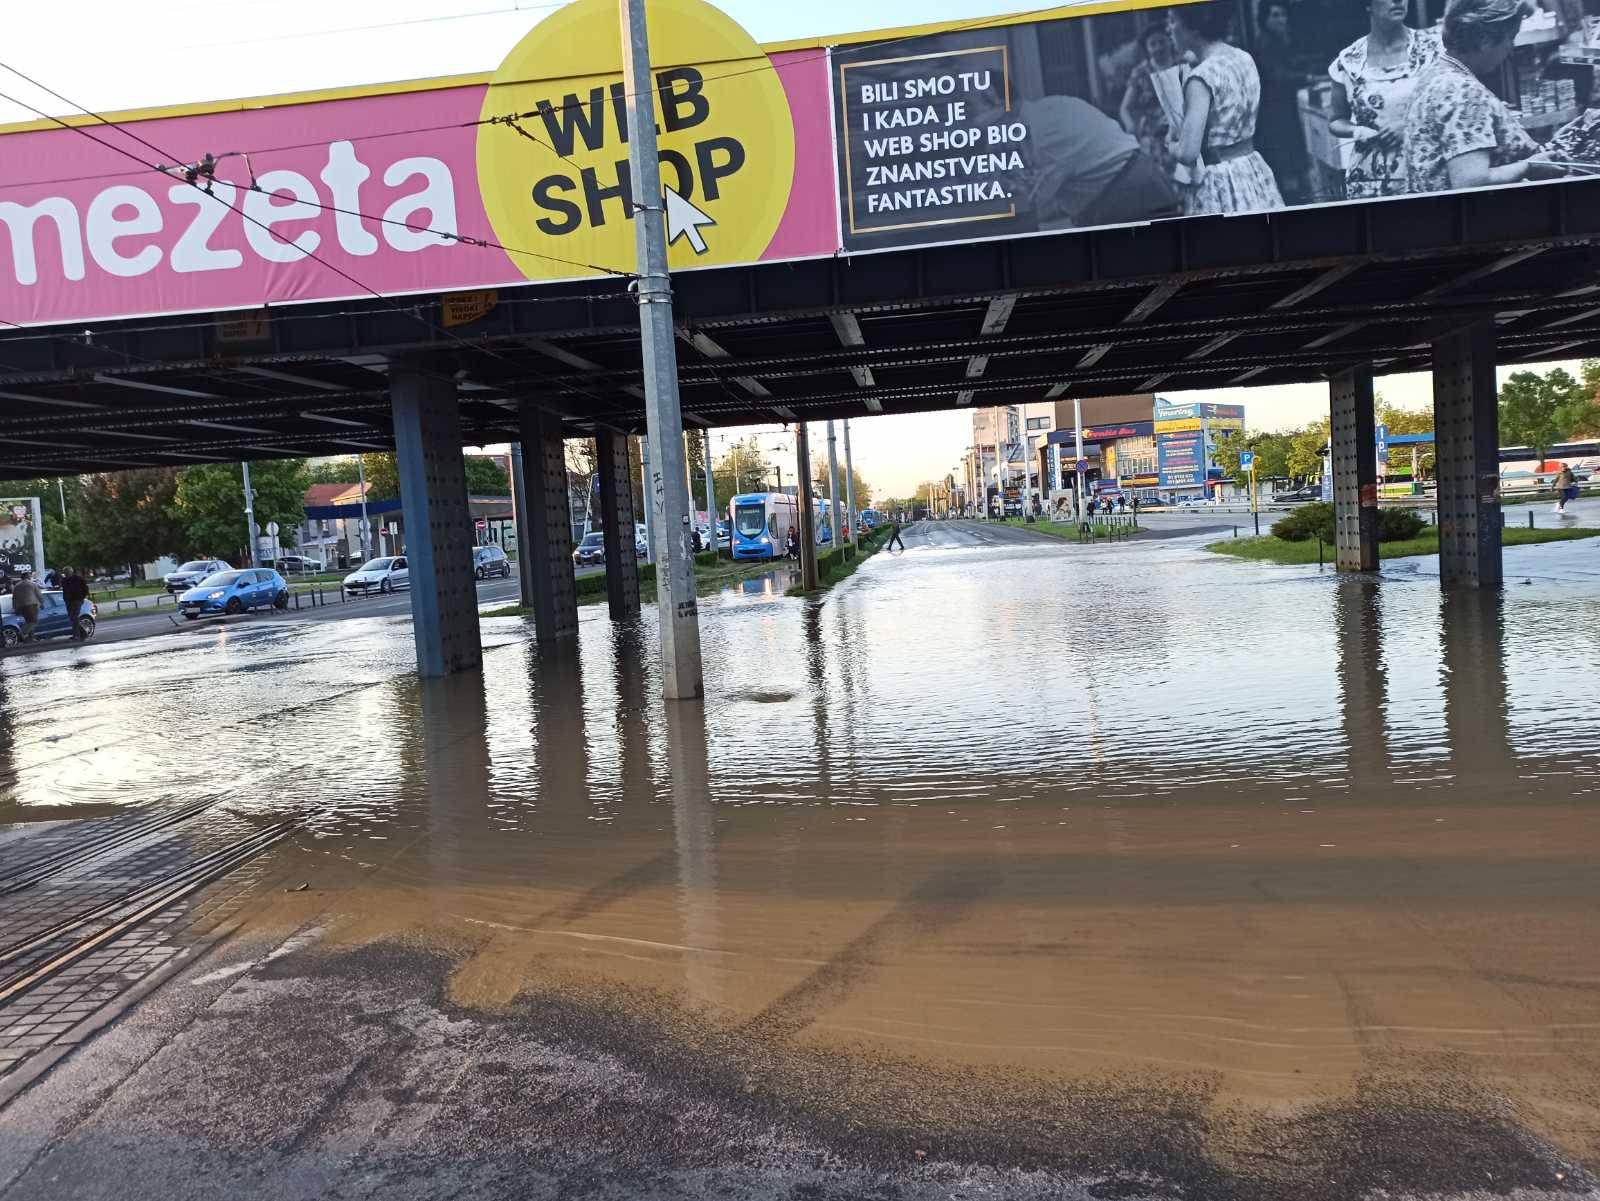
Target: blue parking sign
{"points": [[1247, 460]]}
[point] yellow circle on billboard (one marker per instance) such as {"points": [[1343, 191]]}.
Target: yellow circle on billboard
{"points": [[555, 181]]}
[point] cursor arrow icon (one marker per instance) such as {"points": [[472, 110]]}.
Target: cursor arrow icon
{"points": [[685, 220]]}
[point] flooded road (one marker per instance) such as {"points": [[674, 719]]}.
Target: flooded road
{"points": [[1009, 865]]}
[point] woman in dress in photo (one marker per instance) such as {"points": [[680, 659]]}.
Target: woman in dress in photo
{"points": [[1141, 112], [1221, 169], [1459, 134], [1373, 78]]}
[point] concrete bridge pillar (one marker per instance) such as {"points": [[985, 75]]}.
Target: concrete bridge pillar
{"points": [[1355, 470], [548, 551], [1466, 423], [617, 524], [433, 489]]}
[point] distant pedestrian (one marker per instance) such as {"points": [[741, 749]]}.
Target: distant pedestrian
{"points": [[26, 599], [894, 536], [1566, 488], [75, 591], [51, 579], [1135, 504], [792, 544]]}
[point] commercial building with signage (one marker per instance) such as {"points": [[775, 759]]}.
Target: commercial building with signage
{"points": [[1161, 449]]}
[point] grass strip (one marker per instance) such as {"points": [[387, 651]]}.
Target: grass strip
{"points": [[1267, 549], [711, 574], [836, 565]]}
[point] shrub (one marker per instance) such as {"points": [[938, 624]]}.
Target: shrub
{"points": [[1316, 520], [1308, 521], [1398, 525]]}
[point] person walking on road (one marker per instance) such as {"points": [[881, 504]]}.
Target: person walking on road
{"points": [[894, 536], [74, 590], [26, 599], [1566, 488]]}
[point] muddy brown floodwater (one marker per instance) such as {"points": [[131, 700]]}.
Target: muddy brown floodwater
{"points": [[1175, 876]]}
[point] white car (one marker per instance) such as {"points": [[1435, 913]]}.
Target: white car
{"points": [[386, 574], [191, 573]]}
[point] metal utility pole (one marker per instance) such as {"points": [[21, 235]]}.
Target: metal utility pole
{"points": [[711, 496], [850, 488], [1027, 462], [520, 519], [999, 462], [366, 525], [667, 499], [1077, 421], [649, 508], [249, 511], [808, 533], [61, 488], [833, 486]]}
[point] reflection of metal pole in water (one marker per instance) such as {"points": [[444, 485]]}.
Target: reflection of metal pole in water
{"points": [[561, 745], [694, 827], [1363, 683], [850, 488], [1472, 658]]}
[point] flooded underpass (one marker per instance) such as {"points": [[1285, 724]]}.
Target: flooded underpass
{"points": [[1009, 868]]}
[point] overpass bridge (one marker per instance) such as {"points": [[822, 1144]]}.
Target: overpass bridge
{"points": [[1455, 283]]}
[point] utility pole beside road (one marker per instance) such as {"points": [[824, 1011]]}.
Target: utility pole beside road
{"points": [[667, 485], [249, 511]]}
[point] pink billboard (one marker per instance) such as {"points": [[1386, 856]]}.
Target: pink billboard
{"points": [[350, 197]]}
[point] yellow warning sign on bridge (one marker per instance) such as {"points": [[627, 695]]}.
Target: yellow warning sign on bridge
{"points": [[553, 158]]}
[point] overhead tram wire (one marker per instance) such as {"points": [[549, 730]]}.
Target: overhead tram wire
{"points": [[504, 119]]}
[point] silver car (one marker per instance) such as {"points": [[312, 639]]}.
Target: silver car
{"points": [[191, 573], [386, 574]]}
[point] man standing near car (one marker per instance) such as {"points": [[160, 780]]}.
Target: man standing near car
{"points": [[74, 590], [26, 599]]}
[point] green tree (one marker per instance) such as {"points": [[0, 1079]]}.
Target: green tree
{"points": [[1540, 410], [742, 468], [821, 479], [485, 477], [125, 518], [209, 504], [1305, 449], [1272, 453], [333, 471], [383, 476]]}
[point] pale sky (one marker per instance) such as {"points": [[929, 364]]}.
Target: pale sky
{"points": [[173, 51]]}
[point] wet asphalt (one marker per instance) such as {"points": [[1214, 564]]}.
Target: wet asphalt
{"points": [[1010, 868]]}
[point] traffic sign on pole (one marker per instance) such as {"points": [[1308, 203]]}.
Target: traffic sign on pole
{"points": [[1247, 460]]}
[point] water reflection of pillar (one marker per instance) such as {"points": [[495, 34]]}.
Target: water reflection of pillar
{"points": [[561, 745], [1473, 658], [454, 768], [633, 742], [1363, 683], [817, 672], [694, 826]]}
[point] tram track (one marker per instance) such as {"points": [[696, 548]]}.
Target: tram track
{"points": [[89, 929], [121, 838]]}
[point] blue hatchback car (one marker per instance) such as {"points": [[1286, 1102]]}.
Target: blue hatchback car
{"points": [[54, 620], [230, 592]]}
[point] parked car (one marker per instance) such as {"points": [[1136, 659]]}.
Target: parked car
{"points": [[1192, 501], [490, 560], [1295, 496], [590, 551], [54, 621], [295, 565], [379, 575], [230, 592], [191, 573]]}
